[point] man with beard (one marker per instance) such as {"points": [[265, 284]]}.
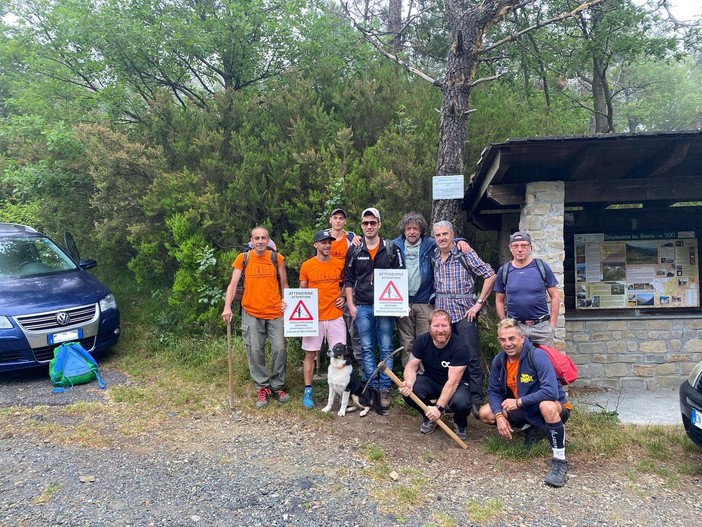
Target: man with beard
{"points": [[444, 358]]}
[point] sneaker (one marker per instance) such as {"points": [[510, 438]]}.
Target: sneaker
{"points": [[385, 399], [263, 395], [460, 431], [427, 426], [558, 474], [533, 435], [307, 400], [282, 396]]}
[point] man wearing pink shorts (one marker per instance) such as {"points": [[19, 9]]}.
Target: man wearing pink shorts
{"points": [[324, 273]]}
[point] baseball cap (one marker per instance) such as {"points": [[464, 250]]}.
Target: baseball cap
{"points": [[338, 211], [323, 235], [520, 236], [371, 210]]}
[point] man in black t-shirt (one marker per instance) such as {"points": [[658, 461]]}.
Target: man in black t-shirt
{"points": [[445, 378]]}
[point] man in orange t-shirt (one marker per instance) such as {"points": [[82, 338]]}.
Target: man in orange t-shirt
{"points": [[324, 273], [262, 315]]}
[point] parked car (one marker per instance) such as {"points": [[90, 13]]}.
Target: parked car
{"points": [[691, 404], [47, 297]]}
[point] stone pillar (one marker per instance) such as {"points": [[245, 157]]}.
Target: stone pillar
{"points": [[542, 217]]}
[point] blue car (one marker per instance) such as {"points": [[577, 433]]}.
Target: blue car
{"points": [[46, 298], [691, 404]]}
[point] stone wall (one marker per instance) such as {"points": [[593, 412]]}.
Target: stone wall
{"points": [[635, 353]]}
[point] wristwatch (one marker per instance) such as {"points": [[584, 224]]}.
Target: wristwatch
{"points": [[479, 301], [440, 408]]}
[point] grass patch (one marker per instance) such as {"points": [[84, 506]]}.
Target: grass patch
{"points": [[441, 519], [47, 494], [481, 513]]}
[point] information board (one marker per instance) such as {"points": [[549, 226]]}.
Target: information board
{"points": [[636, 270]]}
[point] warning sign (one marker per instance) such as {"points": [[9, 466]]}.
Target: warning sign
{"points": [[301, 313], [390, 293]]}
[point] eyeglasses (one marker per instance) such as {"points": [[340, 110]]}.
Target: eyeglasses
{"points": [[520, 245], [369, 223]]}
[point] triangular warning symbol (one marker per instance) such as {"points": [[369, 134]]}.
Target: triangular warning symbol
{"points": [[390, 293], [300, 312]]}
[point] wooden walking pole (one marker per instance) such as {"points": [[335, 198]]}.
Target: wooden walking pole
{"points": [[230, 353]]}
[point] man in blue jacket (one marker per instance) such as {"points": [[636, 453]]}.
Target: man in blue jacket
{"points": [[523, 392], [417, 249]]}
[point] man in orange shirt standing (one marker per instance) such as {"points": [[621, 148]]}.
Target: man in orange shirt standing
{"points": [[262, 314], [324, 273]]}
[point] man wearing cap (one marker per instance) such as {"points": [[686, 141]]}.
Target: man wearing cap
{"points": [[521, 288], [324, 273], [373, 253], [454, 276], [342, 241]]}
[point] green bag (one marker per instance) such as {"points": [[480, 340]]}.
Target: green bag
{"points": [[73, 365]]}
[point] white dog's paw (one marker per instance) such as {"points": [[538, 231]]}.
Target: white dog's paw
{"points": [[350, 408], [342, 412], [326, 409], [363, 413]]}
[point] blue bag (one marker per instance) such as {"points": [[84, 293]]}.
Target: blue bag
{"points": [[73, 365]]}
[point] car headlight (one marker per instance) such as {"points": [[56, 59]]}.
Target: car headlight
{"points": [[5, 323], [694, 375], [108, 302]]}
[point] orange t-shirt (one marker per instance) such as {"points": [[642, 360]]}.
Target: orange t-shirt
{"points": [[261, 288], [511, 375], [325, 277], [339, 248], [373, 252]]}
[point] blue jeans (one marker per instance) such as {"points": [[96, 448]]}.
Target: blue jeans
{"points": [[372, 329]]}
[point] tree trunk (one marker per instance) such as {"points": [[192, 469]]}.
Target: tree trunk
{"points": [[467, 35], [603, 115], [395, 24]]}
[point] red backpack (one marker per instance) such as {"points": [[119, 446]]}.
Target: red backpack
{"points": [[566, 370]]}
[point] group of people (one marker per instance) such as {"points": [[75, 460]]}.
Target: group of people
{"points": [[439, 335]]}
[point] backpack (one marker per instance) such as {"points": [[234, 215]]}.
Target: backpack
{"points": [[240, 288], [389, 248], [73, 365], [504, 271], [565, 368]]}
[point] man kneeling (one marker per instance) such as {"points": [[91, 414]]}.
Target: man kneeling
{"points": [[523, 392], [445, 378]]}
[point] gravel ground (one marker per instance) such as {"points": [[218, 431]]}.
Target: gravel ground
{"points": [[274, 468]]}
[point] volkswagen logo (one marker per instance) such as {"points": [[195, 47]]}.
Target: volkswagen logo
{"points": [[63, 319]]}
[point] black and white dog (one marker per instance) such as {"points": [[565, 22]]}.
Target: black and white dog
{"points": [[344, 384]]}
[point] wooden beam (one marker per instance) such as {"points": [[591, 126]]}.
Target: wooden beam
{"points": [[499, 166], [687, 188], [663, 162]]}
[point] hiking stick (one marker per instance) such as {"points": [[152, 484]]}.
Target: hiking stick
{"points": [[230, 354]]}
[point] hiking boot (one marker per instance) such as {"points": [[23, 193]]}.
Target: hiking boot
{"points": [[558, 474], [427, 426], [460, 431], [307, 400], [263, 395], [385, 399], [282, 396], [533, 435]]}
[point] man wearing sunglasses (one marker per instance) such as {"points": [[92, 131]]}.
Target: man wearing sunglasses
{"points": [[373, 253]]}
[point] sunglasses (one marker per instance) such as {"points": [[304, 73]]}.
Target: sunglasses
{"points": [[369, 223]]}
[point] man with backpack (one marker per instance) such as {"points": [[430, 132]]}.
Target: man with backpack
{"points": [[359, 266], [262, 314], [521, 288], [341, 243], [523, 392], [454, 276]]}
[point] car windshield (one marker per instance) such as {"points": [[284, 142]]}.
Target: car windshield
{"points": [[32, 256]]}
